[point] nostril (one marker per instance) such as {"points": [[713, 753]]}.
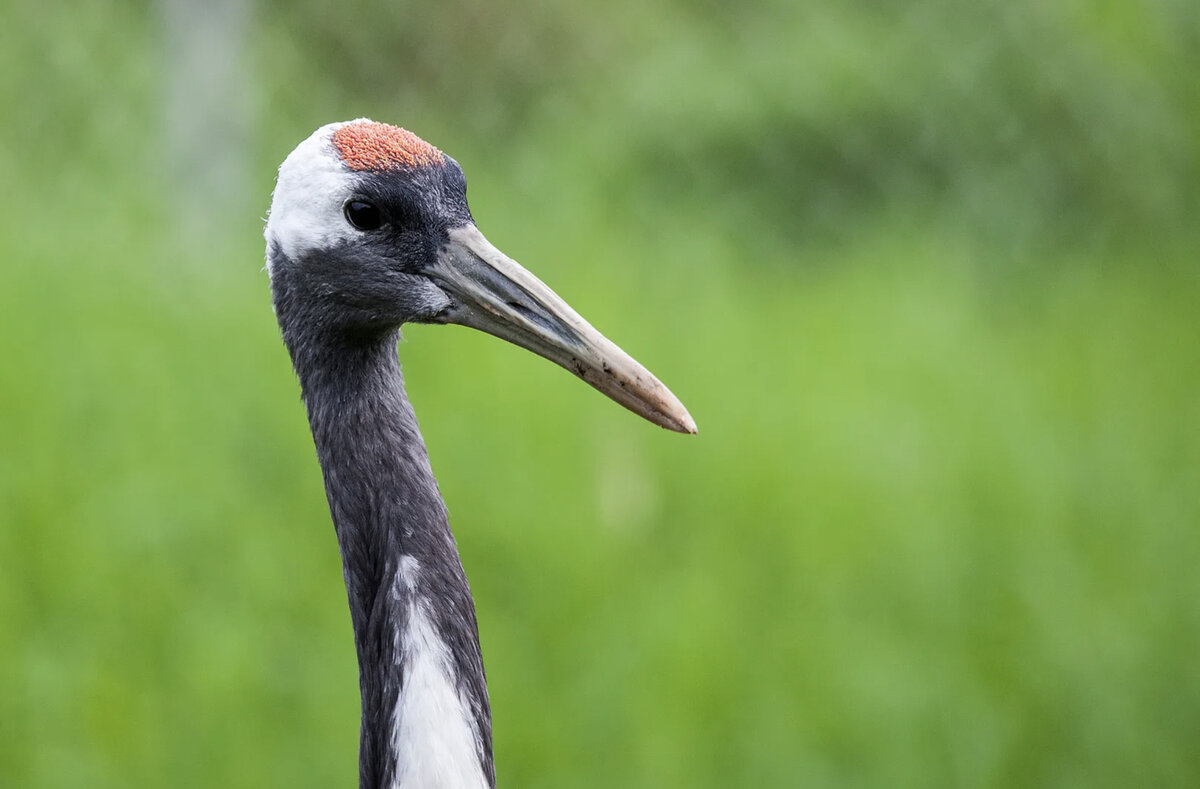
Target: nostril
{"points": [[522, 310], [532, 316]]}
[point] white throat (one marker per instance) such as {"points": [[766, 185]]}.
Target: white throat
{"points": [[434, 739]]}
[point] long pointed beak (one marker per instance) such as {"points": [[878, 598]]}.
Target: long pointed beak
{"points": [[493, 293]]}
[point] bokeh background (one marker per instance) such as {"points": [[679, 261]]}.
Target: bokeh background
{"points": [[926, 274]]}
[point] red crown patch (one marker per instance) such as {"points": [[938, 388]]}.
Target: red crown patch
{"points": [[366, 145]]}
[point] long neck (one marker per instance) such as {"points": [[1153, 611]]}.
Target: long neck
{"points": [[426, 721]]}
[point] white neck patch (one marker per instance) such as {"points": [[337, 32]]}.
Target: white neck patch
{"points": [[306, 207], [433, 736]]}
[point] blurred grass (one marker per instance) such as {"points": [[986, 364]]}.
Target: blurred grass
{"points": [[940, 524]]}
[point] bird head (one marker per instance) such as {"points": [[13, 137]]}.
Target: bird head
{"points": [[369, 228]]}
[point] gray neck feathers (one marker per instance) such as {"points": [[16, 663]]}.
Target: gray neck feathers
{"points": [[390, 519]]}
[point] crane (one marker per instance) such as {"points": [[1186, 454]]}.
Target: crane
{"points": [[369, 229]]}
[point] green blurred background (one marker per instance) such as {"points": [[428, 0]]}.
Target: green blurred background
{"points": [[925, 273]]}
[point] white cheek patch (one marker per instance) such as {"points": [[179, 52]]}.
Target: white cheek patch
{"points": [[306, 208]]}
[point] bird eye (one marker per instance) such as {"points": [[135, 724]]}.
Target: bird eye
{"points": [[363, 215]]}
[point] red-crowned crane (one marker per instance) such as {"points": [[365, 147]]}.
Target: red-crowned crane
{"points": [[369, 229]]}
